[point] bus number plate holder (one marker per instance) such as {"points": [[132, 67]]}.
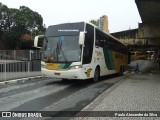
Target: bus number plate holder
{"points": [[57, 74]]}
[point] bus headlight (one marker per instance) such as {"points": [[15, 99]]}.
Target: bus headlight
{"points": [[43, 66], [76, 67]]}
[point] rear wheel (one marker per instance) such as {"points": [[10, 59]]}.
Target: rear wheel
{"points": [[121, 71], [96, 74]]}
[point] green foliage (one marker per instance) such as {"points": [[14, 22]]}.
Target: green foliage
{"points": [[94, 22], [16, 22], [26, 44], [10, 40]]}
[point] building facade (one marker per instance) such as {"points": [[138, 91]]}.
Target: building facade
{"points": [[103, 23]]}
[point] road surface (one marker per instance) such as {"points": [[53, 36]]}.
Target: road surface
{"points": [[52, 94]]}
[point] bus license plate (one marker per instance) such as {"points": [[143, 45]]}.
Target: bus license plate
{"points": [[58, 74]]}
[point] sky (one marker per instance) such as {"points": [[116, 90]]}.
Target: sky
{"points": [[122, 14]]}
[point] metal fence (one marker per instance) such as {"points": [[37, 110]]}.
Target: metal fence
{"points": [[15, 64], [20, 55], [19, 69]]}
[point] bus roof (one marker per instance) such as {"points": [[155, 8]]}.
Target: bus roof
{"points": [[91, 25]]}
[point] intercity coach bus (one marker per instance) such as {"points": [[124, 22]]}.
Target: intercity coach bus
{"points": [[81, 51]]}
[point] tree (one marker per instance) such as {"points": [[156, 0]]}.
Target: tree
{"points": [[26, 42], [32, 19], [3, 23], [3, 17], [14, 23], [94, 22]]}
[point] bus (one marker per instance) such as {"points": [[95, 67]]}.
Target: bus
{"points": [[81, 51]]}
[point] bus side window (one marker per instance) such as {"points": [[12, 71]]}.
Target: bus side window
{"points": [[100, 39], [97, 42]]}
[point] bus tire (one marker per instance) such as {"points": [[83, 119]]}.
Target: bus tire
{"points": [[64, 80], [96, 74], [121, 71]]}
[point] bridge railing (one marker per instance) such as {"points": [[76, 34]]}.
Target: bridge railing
{"points": [[20, 54], [19, 69]]}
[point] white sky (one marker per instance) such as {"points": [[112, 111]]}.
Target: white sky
{"points": [[122, 14]]}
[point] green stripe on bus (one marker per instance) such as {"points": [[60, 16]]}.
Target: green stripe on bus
{"points": [[109, 59], [66, 66]]}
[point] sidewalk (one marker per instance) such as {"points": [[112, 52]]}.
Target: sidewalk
{"points": [[138, 92]]}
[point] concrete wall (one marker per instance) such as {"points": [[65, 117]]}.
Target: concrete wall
{"points": [[130, 37], [153, 41], [149, 30]]}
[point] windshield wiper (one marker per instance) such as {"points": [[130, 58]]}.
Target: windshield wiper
{"points": [[45, 47], [60, 51], [59, 47]]}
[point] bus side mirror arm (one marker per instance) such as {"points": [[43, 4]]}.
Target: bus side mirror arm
{"points": [[81, 38], [36, 41]]}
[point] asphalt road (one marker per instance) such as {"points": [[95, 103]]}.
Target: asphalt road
{"points": [[52, 95]]}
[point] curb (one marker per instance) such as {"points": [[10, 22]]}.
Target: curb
{"points": [[18, 80]]}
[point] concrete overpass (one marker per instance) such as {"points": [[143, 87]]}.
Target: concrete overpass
{"points": [[149, 10], [149, 29]]}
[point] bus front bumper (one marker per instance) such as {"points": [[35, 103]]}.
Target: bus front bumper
{"points": [[64, 74]]}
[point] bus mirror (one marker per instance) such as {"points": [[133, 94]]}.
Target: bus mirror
{"points": [[81, 38], [38, 41]]}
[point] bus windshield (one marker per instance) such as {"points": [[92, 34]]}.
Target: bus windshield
{"points": [[61, 49]]}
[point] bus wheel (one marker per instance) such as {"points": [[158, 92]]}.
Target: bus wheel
{"points": [[121, 71], [64, 80], [96, 74]]}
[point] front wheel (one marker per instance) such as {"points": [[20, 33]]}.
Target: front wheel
{"points": [[121, 71], [96, 74], [64, 80]]}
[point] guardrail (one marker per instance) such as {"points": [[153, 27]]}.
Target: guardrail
{"points": [[20, 55], [19, 69]]}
